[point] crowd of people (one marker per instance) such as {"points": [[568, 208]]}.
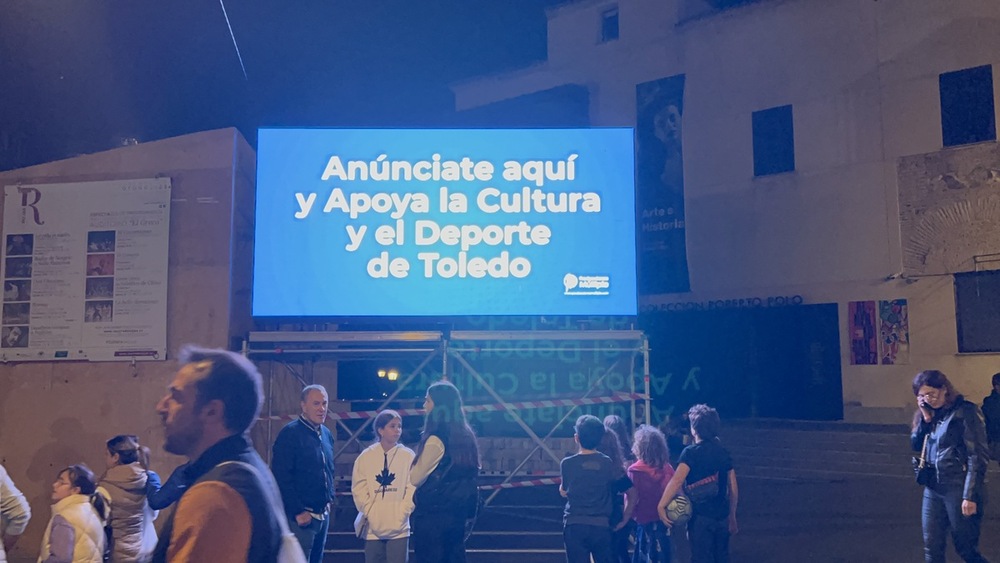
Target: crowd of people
{"points": [[230, 506], [619, 487], [612, 495]]}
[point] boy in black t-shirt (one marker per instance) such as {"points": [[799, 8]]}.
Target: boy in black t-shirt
{"points": [[705, 471], [587, 479]]}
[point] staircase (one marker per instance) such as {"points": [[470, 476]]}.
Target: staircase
{"points": [[786, 449]]}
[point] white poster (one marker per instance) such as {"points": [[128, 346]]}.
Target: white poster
{"points": [[85, 271]]}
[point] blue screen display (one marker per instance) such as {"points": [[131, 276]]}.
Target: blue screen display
{"points": [[444, 222]]}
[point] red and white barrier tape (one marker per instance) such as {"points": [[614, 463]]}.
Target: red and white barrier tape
{"points": [[511, 485], [516, 484], [615, 398]]}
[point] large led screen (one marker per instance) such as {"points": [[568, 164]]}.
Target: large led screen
{"points": [[444, 222]]}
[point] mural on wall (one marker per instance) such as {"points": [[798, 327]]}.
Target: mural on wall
{"points": [[864, 337], [949, 206], [894, 332], [663, 266]]}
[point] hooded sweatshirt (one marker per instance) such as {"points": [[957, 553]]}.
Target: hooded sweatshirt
{"points": [[649, 483], [382, 491], [124, 487]]}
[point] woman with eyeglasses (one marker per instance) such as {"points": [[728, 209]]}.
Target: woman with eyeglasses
{"points": [[951, 436]]}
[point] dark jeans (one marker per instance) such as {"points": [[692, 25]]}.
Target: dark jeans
{"points": [[437, 538], [619, 543], [583, 540], [312, 537], [652, 543], [942, 510], [709, 540]]}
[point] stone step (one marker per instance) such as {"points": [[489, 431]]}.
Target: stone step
{"points": [[826, 474], [815, 426], [486, 540], [799, 437], [812, 464], [830, 455]]}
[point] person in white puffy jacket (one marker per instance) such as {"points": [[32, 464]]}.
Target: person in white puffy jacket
{"points": [[382, 492], [75, 533], [14, 513]]}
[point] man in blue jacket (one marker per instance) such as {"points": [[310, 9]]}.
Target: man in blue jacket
{"points": [[302, 463]]}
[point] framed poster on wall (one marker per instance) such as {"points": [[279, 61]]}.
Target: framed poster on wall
{"points": [[85, 271]]}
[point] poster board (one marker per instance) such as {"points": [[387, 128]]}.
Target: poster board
{"points": [[85, 271]]}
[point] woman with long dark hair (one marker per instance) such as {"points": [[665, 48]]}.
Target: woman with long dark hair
{"points": [[621, 523], [124, 485], [951, 436], [76, 531], [444, 472], [617, 424]]}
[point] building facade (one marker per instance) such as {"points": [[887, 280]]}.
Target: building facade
{"points": [[813, 152]]}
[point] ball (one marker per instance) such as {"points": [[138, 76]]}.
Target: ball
{"points": [[679, 510]]}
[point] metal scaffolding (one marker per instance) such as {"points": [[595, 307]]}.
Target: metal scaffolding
{"points": [[452, 349]]}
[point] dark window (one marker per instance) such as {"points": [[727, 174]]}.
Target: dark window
{"points": [[977, 311], [609, 24], [773, 141], [967, 113]]}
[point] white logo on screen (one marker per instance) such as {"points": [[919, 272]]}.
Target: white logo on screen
{"points": [[586, 285]]}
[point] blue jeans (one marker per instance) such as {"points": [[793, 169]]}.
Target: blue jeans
{"points": [[652, 543], [709, 540], [619, 543], [942, 511], [312, 537], [583, 541]]}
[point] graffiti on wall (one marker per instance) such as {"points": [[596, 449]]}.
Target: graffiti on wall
{"points": [[894, 332], [863, 333]]}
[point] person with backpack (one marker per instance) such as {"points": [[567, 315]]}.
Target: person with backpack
{"points": [[445, 473]]}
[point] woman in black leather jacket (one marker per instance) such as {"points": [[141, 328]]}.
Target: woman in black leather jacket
{"points": [[955, 436]]}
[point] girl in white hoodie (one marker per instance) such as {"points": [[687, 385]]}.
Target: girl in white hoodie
{"points": [[382, 492]]}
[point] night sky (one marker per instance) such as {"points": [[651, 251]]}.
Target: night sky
{"points": [[79, 76]]}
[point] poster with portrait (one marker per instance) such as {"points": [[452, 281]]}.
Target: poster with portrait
{"points": [[663, 266], [85, 271]]}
